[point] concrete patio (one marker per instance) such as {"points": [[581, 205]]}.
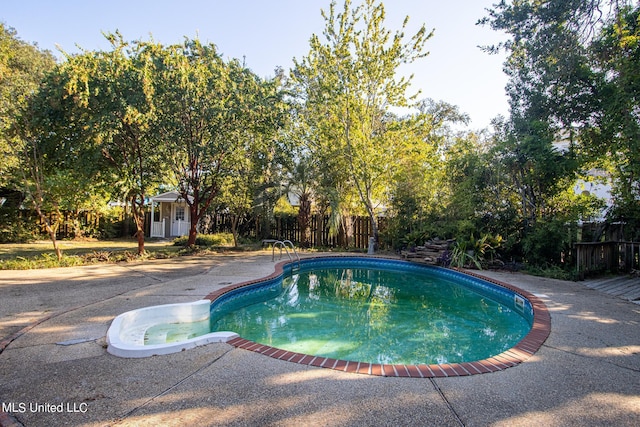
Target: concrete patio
{"points": [[53, 357]]}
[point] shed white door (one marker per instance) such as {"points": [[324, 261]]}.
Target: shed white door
{"points": [[179, 219]]}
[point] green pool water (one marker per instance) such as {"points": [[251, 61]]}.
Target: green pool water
{"points": [[376, 316]]}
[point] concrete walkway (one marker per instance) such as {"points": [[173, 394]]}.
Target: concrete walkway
{"points": [[53, 358]]}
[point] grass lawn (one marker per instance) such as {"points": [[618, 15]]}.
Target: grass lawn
{"points": [[10, 251], [40, 254]]}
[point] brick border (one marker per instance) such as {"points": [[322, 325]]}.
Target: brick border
{"points": [[522, 351]]}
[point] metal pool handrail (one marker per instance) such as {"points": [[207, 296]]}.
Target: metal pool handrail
{"points": [[283, 244]]}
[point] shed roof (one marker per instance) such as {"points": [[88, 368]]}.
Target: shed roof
{"points": [[169, 196]]}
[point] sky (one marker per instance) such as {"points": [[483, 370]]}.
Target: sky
{"points": [[270, 33]]}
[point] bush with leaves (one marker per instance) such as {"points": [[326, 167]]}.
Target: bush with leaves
{"points": [[207, 240], [545, 243], [476, 252]]}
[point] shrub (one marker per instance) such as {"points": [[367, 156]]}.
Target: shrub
{"points": [[545, 243], [17, 228], [207, 240], [97, 256], [476, 252]]}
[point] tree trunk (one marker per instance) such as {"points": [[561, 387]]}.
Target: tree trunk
{"points": [[374, 230], [194, 217], [75, 221], [138, 217], [140, 236], [347, 225], [193, 234], [234, 229], [304, 218], [51, 230], [374, 225], [139, 231]]}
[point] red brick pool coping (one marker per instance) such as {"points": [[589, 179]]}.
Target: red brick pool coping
{"points": [[522, 351]]}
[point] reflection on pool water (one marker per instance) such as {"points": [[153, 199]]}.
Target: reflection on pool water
{"points": [[378, 312]]}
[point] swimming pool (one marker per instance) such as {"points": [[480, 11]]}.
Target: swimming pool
{"points": [[171, 328], [377, 312], [424, 344]]}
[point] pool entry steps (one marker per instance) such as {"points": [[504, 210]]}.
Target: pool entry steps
{"points": [[128, 332]]}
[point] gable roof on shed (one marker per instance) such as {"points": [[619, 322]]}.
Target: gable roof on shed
{"points": [[170, 197]]}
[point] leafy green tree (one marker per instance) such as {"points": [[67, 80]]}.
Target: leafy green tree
{"points": [[37, 175], [615, 131], [113, 109], [191, 85], [254, 181], [573, 68], [346, 85], [303, 184], [272, 149], [550, 74], [536, 167], [210, 115], [418, 189], [236, 196], [22, 68], [48, 182]]}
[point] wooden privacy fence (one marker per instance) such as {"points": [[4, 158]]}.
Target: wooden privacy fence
{"points": [[280, 227], [598, 257], [287, 227]]}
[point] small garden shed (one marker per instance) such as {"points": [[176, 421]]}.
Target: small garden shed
{"points": [[169, 215]]}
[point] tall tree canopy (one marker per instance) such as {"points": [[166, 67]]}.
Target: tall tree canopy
{"points": [[212, 116], [346, 86], [114, 108], [22, 68], [574, 70]]}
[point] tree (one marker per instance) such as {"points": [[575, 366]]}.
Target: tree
{"points": [[536, 167], [346, 86], [37, 174], [22, 68], [236, 196], [255, 181], [113, 109], [615, 132], [302, 185], [271, 150], [210, 115], [550, 73], [50, 172], [418, 189], [573, 68]]}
